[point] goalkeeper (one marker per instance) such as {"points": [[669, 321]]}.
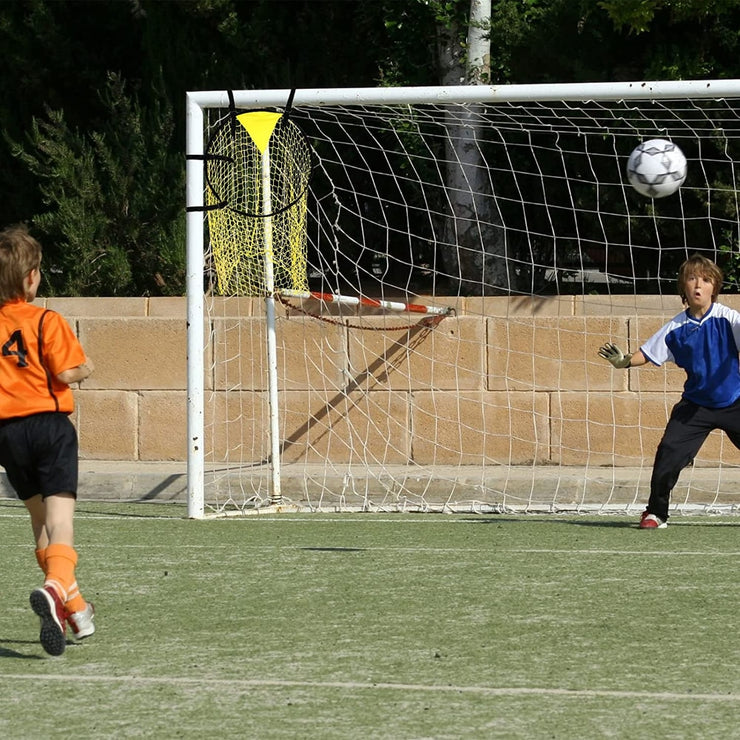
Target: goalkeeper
{"points": [[704, 340]]}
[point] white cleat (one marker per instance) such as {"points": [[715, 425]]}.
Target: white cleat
{"points": [[82, 622]]}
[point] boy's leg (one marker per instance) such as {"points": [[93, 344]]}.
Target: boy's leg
{"points": [[37, 510], [39, 453], [687, 428], [61, 557], [46, 602], [60, 513], [61, 561], [729, 422]]}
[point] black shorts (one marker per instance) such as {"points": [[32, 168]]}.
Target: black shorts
{"points": [[39, 454]]}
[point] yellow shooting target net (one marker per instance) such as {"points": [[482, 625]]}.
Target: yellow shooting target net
{"points": [[258, 165]]}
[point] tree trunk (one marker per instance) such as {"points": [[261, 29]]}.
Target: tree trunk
{"points": [[474, 244]]}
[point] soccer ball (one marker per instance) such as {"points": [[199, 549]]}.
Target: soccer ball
{"points": [[656, 168]]}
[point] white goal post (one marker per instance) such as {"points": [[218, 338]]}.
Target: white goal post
{"points": [[396, 295]]}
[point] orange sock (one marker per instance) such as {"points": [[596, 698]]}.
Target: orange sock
{"points": [[74, 602], [63, 575], [61, 561], [41, 558]]}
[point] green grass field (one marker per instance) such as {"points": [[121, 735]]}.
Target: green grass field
{"points": [[380, 626]]}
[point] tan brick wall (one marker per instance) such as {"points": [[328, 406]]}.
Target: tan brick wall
{"points": [[472, 428], [503, 380]]}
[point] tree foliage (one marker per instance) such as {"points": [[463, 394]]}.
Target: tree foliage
{"points": [[110, 199], [92, 95]]}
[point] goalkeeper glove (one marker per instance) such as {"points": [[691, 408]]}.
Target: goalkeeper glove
{"points": [[613, 354]]}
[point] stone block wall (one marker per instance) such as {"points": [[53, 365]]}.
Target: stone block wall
{"points": [[555, 402]]}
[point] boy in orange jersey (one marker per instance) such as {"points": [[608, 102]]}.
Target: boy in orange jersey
{"points": [[40, 357]]}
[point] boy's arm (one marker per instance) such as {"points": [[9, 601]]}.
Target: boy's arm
{"points": [[76, 374], [638, 359], [619, 359]]}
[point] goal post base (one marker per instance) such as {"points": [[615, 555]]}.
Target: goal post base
{"points": [[468, 489]]}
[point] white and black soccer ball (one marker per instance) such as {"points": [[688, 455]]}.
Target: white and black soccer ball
{"points": [[656, 168]]}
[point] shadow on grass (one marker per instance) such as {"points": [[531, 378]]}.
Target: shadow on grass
{"points": [[6, 652], [631, 524], [689, 523], [550, 521], [123, 514]]}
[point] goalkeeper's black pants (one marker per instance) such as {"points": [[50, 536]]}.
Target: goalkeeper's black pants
{"points": [[688, 427]]}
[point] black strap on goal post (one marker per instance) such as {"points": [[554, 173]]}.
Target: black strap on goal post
{"points": [[232, 113], [289, 105], [210, 157]]}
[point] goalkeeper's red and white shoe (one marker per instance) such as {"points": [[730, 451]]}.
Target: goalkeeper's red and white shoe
{"points": [[46, 603], [650, 521], [82, 622]]}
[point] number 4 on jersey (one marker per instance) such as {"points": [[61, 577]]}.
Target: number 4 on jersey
{"points": [[15, 347]]}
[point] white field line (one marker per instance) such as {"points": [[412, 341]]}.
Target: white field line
{"points": [[376, 686]]}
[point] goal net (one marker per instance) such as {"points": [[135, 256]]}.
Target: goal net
{"points": [[396, 296]]}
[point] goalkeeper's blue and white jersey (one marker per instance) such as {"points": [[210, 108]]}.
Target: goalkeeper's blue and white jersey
{"points": [[707, 349]]}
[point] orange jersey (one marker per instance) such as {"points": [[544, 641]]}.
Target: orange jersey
{"points": [[37, 345]]}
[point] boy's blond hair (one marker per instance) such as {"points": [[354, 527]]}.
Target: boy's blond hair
{"points": [[703, 267], [19, 254]]}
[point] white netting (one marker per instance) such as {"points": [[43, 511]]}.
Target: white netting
{"points": [[519, 217]]}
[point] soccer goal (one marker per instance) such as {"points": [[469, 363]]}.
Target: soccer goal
{"points": [[396, 295]]}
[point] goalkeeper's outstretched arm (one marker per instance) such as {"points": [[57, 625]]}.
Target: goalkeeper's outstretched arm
{"points": [[619, 359]]}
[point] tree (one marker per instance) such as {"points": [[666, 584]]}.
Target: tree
{"points": [[473, 244], [110, 199]]}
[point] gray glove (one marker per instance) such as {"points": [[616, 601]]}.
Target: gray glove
{"points": [[613, 354]]}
